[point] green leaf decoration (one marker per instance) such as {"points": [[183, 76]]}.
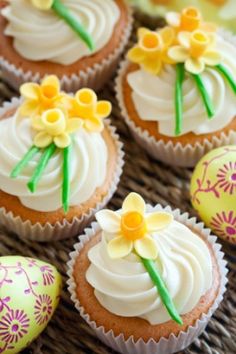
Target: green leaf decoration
{"points": [[163, 292], [66, 178], [63, 12], [25, 160], [227, 75], [179, 98], [47, 154], [205, 96]]}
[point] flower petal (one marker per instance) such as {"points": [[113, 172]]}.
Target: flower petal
{"points": [[103, 109], [158, 220], [142, 31], [134, 202], [73, 124], [152, 66], [37, 123], [108, 220], [62, 140], [42, 140], [119, 247], [194, 65], [136, 55], [173, 19], [184, 39], [212, 58], [178, 54], [30, 91], [42, 4], [94, 124], [146, 247], [168, 35], [28, 108]]}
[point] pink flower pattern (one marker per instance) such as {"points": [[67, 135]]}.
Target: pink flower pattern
{"points": [[227, 177], [13, 326], [14, 323], [43, 309], [224, 224]]}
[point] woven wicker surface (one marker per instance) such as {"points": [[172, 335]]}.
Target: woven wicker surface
{"points": [[67, 333]]}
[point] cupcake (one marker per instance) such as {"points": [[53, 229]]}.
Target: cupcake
{"points": [[59, 162], [147, 280], [79, 41], [177, 89]]}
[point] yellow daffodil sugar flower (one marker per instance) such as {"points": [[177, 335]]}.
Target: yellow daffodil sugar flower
{"points": [[196, 50], [132, 228], [188, 20], [86, 106], [151, 50], [38, 98], [54, 126], [42, 4]]}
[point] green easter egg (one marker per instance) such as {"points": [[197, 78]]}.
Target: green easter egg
{"points": [[29, 295], [213, 191]]}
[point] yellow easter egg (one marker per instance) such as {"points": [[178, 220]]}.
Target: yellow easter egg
{"points": [[29, 295], [213, 191]]}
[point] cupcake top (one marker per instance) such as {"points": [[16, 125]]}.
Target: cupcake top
{"points": [[186, 76], [52, 149], [147, 264], [64, 30]]}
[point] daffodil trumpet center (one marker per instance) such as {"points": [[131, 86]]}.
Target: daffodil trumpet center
{"points": [[49, 91], [190, 19], [133, 225], [54, 121], [151, 42], [86, 100], [199, 42]]}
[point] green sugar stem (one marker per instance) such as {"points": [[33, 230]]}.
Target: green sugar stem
{"points": [[63, 12], [42, 164], [66, 178], [163, 292], [205, 96], [24, 161], [225, 72], [179, 98]]}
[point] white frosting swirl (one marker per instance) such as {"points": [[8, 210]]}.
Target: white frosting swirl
{"points": [[124, 287], [153, 97], [56, 41], [88, 166]]}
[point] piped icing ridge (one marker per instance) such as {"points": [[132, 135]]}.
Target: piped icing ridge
{"points": [[56, 40], [52, 150], [186, 81], [123, 278]]}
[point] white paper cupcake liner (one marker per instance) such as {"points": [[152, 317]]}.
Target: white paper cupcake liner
{"points": [[164, 345], [93, 77], [168, 152], [58, 231]]}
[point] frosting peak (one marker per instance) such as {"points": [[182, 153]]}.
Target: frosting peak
{"points": [[56, 40]]}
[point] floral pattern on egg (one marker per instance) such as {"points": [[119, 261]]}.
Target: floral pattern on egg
{"points": [[29, 294], [213, 191]]}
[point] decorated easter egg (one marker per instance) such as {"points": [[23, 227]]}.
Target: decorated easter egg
{"points": [[29, 295], [213, 191]]}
